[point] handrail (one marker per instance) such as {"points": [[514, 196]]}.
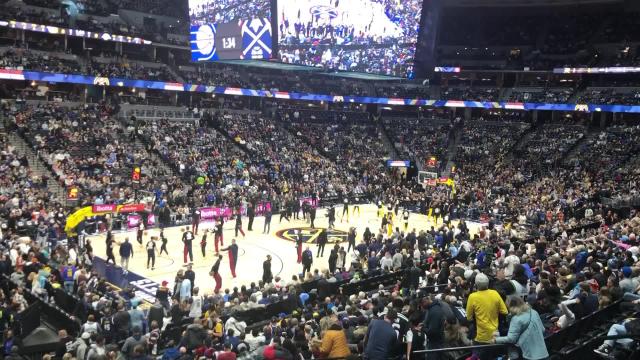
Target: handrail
{"points": [[458, 348]]}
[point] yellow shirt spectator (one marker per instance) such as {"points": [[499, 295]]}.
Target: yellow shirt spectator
{"points": [[484, 306]]}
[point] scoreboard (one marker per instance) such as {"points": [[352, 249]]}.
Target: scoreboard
{"points": [[241, 40], [230, 29]]}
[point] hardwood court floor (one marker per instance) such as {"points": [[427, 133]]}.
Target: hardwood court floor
{"points": [[253, 249]]}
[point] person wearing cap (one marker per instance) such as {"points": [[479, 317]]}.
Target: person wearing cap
{"points": [[81, 345], [628, 284], [484, 306], [381, 338]]}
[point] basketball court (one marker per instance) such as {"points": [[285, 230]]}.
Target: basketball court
{"points": [[253, 250]]}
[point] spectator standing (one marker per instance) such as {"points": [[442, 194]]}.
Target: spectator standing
{"points": [[381, 338], [416, 339], [133, 342], [434, 325], [334, 342], [484, 306], [525, 330]]}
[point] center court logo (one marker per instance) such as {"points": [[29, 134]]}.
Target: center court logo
{"points": [[310, 235], [323, 12]]}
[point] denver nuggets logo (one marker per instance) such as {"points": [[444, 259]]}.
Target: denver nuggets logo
{"points": [[101, 81], [310, 235], [582, 107]]}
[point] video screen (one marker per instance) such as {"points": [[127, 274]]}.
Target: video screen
{"points": [[373, 36], [224, 11], [230, 29]]}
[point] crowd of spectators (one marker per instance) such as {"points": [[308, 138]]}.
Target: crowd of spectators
{"points": [[483, 145], [130, 70], [56, 59], [418, 139], [472, 94], [349, 138], [396, 60], [550, 144], [540, 95], [23, 194], [38, 61], [221, 12], [86, 148], [209, 155], [289, 160], [609, 96], [404, 92], [544, 250], [607, 155]]}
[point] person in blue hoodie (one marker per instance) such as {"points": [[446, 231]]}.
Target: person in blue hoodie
{"points": [[581, 259]]}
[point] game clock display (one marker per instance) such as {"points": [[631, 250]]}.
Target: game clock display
{"points": [[228, 41]]}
